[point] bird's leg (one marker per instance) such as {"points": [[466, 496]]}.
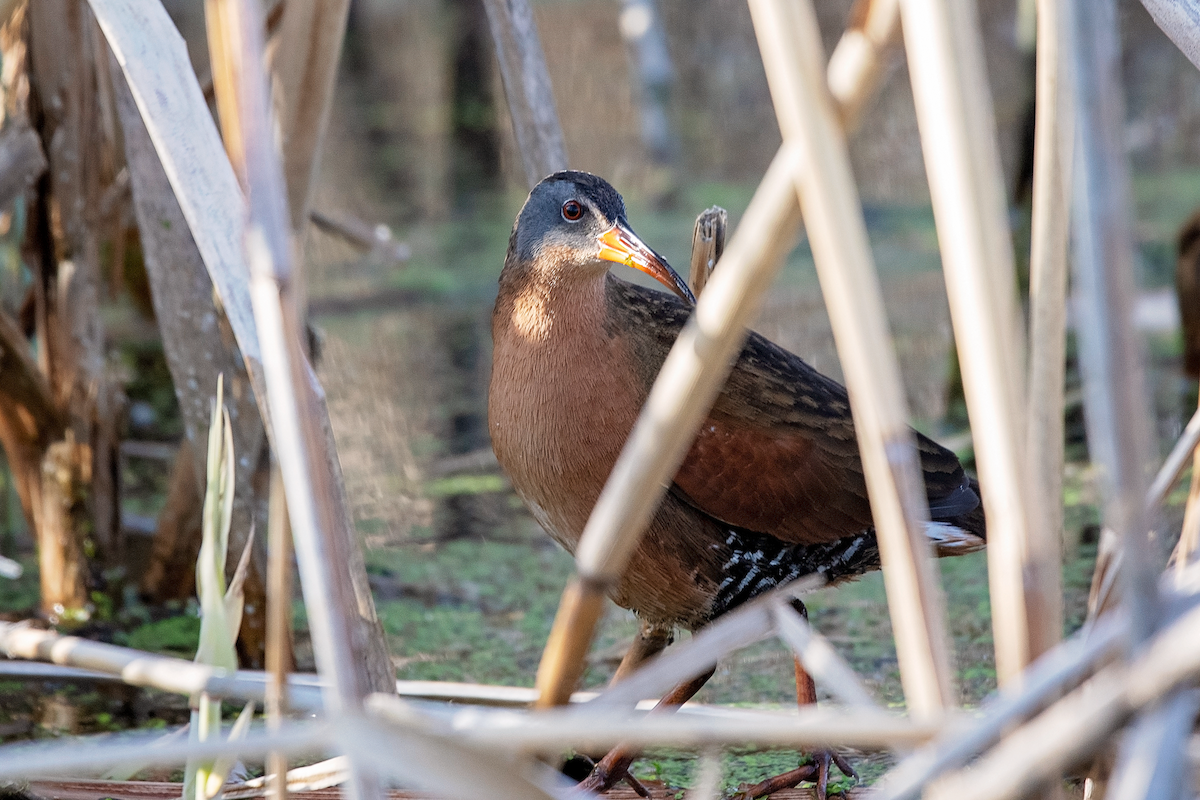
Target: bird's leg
{"points": [[818, 770], [651, 640], [614, 767]]}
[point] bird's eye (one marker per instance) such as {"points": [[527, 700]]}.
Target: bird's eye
{"points": [[572, 211]]}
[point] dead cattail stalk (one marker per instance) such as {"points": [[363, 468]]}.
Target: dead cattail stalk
{"points": [[791, 47]]}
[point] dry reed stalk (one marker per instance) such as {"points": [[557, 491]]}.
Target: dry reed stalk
{"points": [[279, 624], [740, 628], [1117, 410], [235, 36], [857, 66], [136, 668], [104, 752], [515, 733], [527, 87], [1174, 463], [304, 60], [1189, 536], [643, 466], [820, 659], [958, 137], [1053, 149], [790, 42]]}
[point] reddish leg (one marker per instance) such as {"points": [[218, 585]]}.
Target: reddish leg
{"points": [[614, 767], [818, 770]]}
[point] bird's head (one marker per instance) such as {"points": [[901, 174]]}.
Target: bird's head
{"points": [[574, 223]]}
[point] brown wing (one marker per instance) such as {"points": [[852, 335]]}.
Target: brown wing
{"points": [[777, 453]]}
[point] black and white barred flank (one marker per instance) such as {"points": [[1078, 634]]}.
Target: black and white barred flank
{"points": [[758, 563]]}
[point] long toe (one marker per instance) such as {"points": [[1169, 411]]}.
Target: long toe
{"points": [[776, 784], [611, 770], [817, 771]]}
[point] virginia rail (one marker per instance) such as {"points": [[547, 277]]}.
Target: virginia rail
{"points": [[771, 490]]}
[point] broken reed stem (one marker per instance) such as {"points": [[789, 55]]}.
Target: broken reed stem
{"points": [[708, 242], [300, 444], [375, 240], [566, 651], [1189, 537], [790, 42], [958, 137], [279, 623]]}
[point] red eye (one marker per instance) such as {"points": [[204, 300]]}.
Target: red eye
{"points": [[572, 211]]}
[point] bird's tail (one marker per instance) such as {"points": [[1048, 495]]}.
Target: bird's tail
{"points": [[962, 533]]}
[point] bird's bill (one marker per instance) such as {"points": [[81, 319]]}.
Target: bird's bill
{"points": [[621, 245]]}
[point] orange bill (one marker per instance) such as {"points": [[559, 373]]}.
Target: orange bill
{"points": [[623, 246]]}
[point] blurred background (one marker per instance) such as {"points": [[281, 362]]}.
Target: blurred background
{"points": [[668, 101]]}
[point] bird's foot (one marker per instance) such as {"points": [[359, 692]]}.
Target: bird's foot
{"points": [[611, 770], [817, 771]]}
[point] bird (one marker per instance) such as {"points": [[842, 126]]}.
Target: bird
{"points": [[771, 490]]}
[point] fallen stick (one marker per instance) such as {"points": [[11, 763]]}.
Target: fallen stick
{"points": [[137, 668], [374, 239], [553, 730]]}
